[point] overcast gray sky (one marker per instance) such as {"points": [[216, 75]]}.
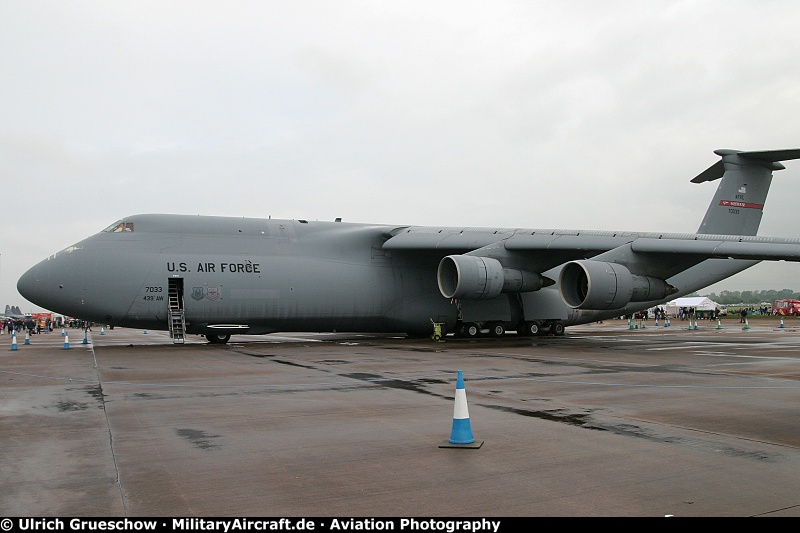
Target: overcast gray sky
{"points": [[538, 114]]}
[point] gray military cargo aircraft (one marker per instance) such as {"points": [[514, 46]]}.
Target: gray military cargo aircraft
{"points": [[219, 276]]}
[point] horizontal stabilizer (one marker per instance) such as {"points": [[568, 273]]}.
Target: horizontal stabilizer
{"points": [[768, 158]]}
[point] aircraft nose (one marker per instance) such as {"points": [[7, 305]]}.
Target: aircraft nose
{"points": [[29, 287], [49, 285]]}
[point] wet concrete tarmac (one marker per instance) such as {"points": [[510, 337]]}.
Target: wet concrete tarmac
{"points": [[604, 421]]}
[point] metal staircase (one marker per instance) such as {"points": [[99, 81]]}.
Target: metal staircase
{"points": [[175, 316]]}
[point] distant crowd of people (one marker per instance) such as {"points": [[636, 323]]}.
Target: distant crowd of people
{"points": [[34, 327], [12, 325], [692, 313], [29, 324], [688, 313], [682, 313]]}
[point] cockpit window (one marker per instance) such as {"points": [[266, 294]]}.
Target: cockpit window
{"points": [[119, 227]]}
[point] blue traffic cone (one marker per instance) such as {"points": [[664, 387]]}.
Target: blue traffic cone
{"points": [[462, 431], [782, 322], [102, 330], [14, 340], [27, 336], [461, 434], [85, 339], [66, 341]]}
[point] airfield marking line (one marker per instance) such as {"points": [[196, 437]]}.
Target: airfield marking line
{"points": [[739, 356], [536, 358], [353, 382], [708, 432], [377, 382], [597, 383], [108, 428]]}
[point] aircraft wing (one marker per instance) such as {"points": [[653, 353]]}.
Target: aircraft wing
{"points": [[541, 250], [763, 249]]}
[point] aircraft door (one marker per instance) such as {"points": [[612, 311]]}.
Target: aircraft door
{"points": [[175, 292], [177, 329]]}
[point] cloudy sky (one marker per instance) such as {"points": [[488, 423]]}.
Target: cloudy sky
{"points": [[538, 114]]}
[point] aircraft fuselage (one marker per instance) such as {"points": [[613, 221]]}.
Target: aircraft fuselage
{"points": [[245, 276]]}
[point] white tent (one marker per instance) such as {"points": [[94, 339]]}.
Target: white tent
{"points": [[699, 303]]}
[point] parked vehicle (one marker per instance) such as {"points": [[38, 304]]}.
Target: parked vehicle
{"points": [[786, 307]]}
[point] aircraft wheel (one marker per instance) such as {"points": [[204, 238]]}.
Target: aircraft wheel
{"points": [[557, 328], [532, 328], [471, 330], [216, 338], [497, 330]]}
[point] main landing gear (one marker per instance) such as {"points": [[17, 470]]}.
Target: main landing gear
{"points": [[497, 329], [534, 328], [471, 330]]}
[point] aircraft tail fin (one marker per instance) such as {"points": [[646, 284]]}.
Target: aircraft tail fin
{"points": [[738, 204], [12, 311]]}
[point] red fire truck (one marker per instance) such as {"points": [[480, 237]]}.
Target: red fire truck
{"points": [[786, 307]]}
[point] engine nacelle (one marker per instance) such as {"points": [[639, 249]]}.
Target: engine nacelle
{"points": [[470, 277], [599, 285]]}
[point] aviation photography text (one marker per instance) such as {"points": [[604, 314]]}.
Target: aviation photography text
{"points": [[226, 525]]}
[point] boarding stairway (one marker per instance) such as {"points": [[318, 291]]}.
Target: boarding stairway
{"points": [[176, 318]]}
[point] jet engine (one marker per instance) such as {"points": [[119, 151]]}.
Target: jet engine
{"points": [[599, 285], [470, 277]]}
